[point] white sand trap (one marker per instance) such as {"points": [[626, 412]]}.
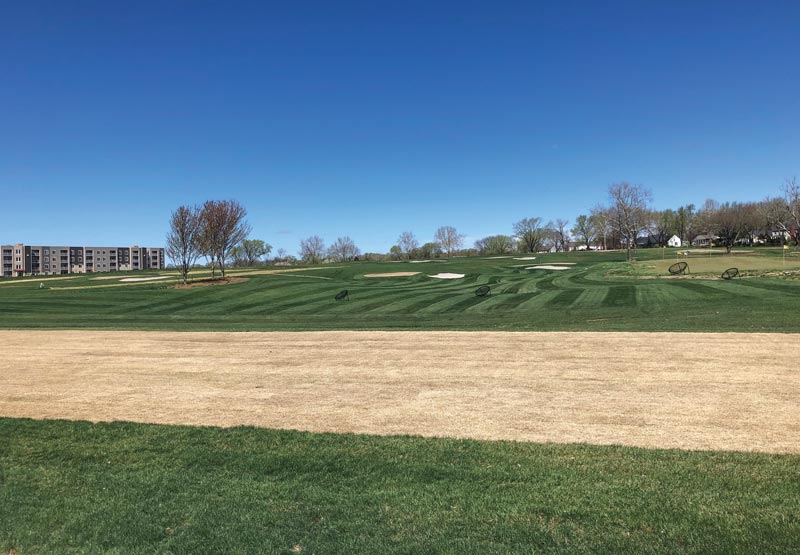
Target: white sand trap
{"points": [[447, 276], [391, 274], [563, 263], [526, 258], [126, 280], [420, 261], [547, 267]]}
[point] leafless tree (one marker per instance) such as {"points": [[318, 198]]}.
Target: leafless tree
{"points": [[685, 220], [727, 220], [599, 219], [561, 235], [224, 227], [312, 249], [448, 239], [343, 250], [407, 243], [628, 212], [530, 234], [776, 216], [183, 239], [791, 196]]}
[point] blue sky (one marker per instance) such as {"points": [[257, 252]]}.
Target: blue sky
{"points": [[370, 118]]}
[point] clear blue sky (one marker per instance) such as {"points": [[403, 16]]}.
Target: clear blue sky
{"points": [[370, 118]]}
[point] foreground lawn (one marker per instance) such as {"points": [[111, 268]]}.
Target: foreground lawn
{"points": [[74, 487]]}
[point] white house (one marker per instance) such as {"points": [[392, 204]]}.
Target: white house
{"points": [[674, 241]]}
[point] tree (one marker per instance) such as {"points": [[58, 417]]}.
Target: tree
{"points": [[395, 253], [777, 217], [685, 219], [599, 219], [628, 212], [223, 228], [407, 243], [791, 196], [312, 249], [183, 239], [583, 230], [250, 252], [727, 220], [561, 235], [495, 244], [664, 226], [430, 250], [448, 239], [530, 233], [343, 250]]}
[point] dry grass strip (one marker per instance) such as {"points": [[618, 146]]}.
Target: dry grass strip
{"points": [[692, 390]]}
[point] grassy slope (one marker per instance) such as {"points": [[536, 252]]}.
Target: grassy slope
{"points": [[73, 487], [599, 293], [126, 488]]}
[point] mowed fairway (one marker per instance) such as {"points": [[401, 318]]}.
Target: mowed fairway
{"points": [[692, 391], [597, 292]]}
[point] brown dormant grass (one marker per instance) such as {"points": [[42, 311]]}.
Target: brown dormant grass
{"points": [[690, 390]]}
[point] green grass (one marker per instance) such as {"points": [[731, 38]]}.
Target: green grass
{"points": [[74, 487], [601, 292]]}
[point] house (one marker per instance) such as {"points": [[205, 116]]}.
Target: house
{"points": [[705, 240], [645, 241], [674, 241]]}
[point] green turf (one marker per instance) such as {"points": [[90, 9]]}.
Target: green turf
{"points": [[600, 292], [75, 487]]}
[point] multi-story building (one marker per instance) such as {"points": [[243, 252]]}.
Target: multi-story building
{"points": [[19, 259]]}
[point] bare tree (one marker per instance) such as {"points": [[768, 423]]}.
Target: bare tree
{"points": [[530, 234], [729, 220], [448, 239], [225, 227], [183, 239], [777, 217], [628, 212], [791, 196], [407, 243], [343, 250], [312, 249], [561, 235], [600, 219], [685, 220]]}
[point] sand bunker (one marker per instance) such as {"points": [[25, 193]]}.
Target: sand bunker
{"points": [[547, 267], [526, 258], [127, 280], [391, 274], [420, 261], [447, 276]]}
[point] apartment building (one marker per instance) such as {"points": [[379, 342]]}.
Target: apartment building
{"points": [[35, 260]]}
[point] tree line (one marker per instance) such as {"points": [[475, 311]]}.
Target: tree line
{"points": [[217, 231]]}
